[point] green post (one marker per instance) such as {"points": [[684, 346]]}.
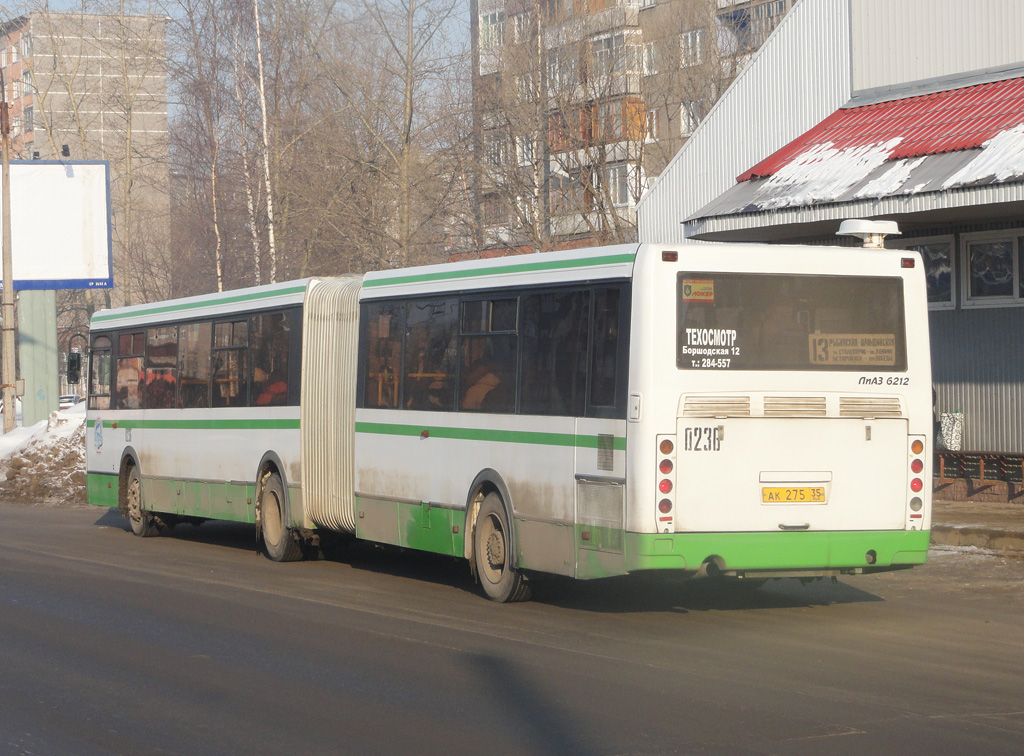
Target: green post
{"points": [[37, 331]]}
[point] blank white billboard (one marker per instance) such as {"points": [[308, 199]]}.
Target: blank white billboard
{"points": [[60, 224]]}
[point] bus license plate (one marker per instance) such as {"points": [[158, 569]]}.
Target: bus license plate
{"points": [[793, 495]]}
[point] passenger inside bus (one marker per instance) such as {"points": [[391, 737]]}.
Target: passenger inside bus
{"points": [[482, 379]]}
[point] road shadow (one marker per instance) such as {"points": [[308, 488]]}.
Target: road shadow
{"points": [[234, 535], [519, 711], [644, 592], [638, 593], [671, 592]]}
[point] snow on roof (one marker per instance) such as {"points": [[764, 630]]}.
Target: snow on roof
{"points": [[945, 140], [930, 124]]}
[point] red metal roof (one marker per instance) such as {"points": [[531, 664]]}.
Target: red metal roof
{"points": [[957, 119]]}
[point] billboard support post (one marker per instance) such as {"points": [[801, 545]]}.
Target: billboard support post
{"points": [[7, 374], [37, 350]]}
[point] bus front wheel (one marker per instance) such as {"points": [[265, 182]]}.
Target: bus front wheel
{"points": [[143, 523], [492, 554], [280, 543]]}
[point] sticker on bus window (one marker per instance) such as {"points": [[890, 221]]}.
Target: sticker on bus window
{"points": [[698, 290], [877, 349]]}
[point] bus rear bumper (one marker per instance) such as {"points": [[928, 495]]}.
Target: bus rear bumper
{"points": [[843, 551]]}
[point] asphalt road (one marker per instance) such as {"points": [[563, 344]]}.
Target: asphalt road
{"points": [[192, 644]]}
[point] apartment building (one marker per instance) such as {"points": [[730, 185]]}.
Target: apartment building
{"points": [[578, 106]]}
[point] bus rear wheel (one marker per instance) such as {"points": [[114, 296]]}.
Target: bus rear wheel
{"points": [[278, 538], [491, 553], [143, 523]]}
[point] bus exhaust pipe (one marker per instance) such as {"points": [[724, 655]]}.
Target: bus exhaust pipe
{"points": [[711, 568]]}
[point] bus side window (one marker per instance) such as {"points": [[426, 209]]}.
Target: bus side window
{"points": [[381, 356], [194, 369], [161, 367], [130, 347], [607, 366], [487, 379], [431, 340], [99, 374], [230, 378], [270, 334], [554, 353]]}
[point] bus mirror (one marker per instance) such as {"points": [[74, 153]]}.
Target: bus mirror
{"points": [[74, 367]]}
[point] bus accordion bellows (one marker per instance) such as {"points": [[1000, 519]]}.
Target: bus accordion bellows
{"points": [[718, 410]]}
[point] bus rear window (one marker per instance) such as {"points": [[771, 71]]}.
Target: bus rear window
{"points": [[758, 321]]}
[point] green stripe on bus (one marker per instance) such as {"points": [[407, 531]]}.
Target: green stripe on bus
{"points": [[501, 269], [486, 434], [185, 306], [218, 424], [804, 550]]}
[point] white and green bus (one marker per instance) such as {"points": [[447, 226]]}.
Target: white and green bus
{"points": [[733, 410]]}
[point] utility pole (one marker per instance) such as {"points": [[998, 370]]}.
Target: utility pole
{"points": [[7, 376]]}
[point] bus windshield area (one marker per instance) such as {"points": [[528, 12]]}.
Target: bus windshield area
{"points": [[766, 321]]}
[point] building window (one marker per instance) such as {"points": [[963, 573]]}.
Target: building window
{"points": [[492, 29], [937, 254], [561, 71], [26, 45], [495, 148], [524, 150], [492, 210], [611, 55], [16, 126], [650, 59], [616, 182], [3, 58], [572, 193], [610, 119], [691, 48], [524, 87], [556, 10], [992, 269], [28, 116], [647, 3], [522, 27], [689, 117], [16, 89], [653, 128], [14, 54]]}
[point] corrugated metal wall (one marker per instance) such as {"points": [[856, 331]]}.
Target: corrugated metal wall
{"points": [[799, 76], [978, 367], [900, 41]]}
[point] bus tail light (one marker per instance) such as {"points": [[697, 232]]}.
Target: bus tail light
{"points": [[666, 483], [917, 468]]}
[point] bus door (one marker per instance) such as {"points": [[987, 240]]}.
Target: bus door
{"points": [[601, 439], [600, 496]]}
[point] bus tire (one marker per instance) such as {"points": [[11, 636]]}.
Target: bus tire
{"points": [[491, 553], [279, 540], [143, 523]]}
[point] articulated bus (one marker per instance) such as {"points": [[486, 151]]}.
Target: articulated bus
{"points": [[739, 411]]}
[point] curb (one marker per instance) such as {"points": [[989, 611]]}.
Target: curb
{"points": [[981, 538]]}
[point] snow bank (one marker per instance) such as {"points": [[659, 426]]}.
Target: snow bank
{"points": [[45, 463]]}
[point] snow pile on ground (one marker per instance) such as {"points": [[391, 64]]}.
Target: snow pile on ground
{"points": [[45, 463]]}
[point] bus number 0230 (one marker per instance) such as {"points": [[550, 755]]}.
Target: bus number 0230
{"points": [[700, 439]]}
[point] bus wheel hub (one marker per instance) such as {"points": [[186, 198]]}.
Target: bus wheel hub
{"points": [[495, 550]]}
